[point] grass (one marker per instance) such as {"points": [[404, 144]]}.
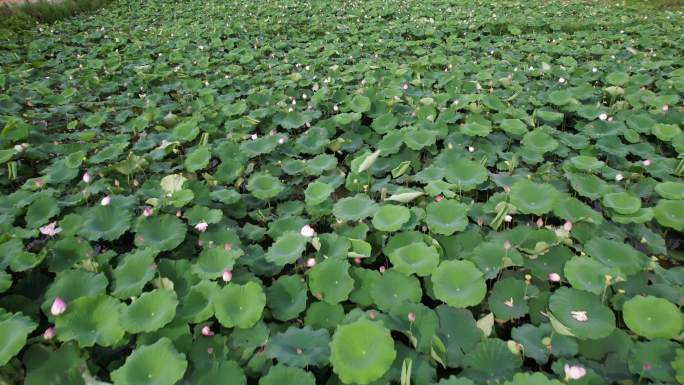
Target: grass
{"points": [[24, 15]]}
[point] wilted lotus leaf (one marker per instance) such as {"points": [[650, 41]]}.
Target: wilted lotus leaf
{"points": [[393, 288], [286, 249], [330, 281], [239, 305], [617, 255], [14, 329], [317, 193], [622, 202], [459, 283], [361, 352], [581, 314], [197, 305], [446, 216], [466, 174], [300, 347], [133, 272], [416, 258], [670, 213], [652, 317], [287, 375], [533, 198], [156, 364], [264, 186], [150, 312], [391, 217], [287, 297], [354, 208], [162, 232], [105, 222], [90, 321], [491, 360], [214, 260]]}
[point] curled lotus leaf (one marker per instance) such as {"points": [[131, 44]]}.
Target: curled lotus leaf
{"points": [[286, 249], [670, 190], [622, 202], [466, 174], [670, 213], [415, 258]]}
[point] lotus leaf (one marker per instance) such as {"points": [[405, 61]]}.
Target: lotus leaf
{"points": [[156, 364], [652, 317], [239, 305], [459, 283]]}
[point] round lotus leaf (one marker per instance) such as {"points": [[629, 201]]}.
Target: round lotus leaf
{"points": [[133, 272], [532, 379], [466, 174], [320, 164], [361, 352], [582, 313], [560, 97], [670, 190], [586, 163], [239, 305], [330, 280], [185, 131], [224, 372], [300, 347], [415, 258], [287, 375], [658, 354], [214, 260], [360, 103], [643, 215], [317, 193], [14, 330], [616, 254], [588, 185], [652, 317], [417, 139], [41, 210], [480, 127], [491, 361], [91, 320], [617, 78], [622, 202], [197, 305], [229, 170], [260, 146], [533, 198], [391, 217], [539, 141], [162, 232], [150, 312], [670, 213], [72, 284], [574, 210], [384, 123], [446, 217], [459, 283], [264, 186], [666, 132], [156, 364], [453, 380], [324, 315], [286, 249], [587, 274], [354, 208], [491, 257], [287, 297], [514, 127], [105, 222], [197, 159], [393, 288], [508, 298]]}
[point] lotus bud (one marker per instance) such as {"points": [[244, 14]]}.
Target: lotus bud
{"points": [[49, 333], [666, 108], [507, 244], [647, 162], [105, 201], [647, 366], [116, 182], [508, 218], [619, 177], [311, 262], [567, 226], [439, 198], [372, 314], [38, 183], [147, 211], [507, 188], [86, 177], [307, 231], [58, 306], [471, 149], [254, 136], [561, 80], [335, 108], [412, 317], [281, 140], [179, 213], [574, 372], [206, 331], [227, 276], [381, 269], [405, 86], [202, 226], [554, 277], [540, 222], [594, 70]]}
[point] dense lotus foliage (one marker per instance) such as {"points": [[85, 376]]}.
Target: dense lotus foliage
{"points": [[354, 192]]}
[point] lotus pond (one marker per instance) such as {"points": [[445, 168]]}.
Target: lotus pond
{"points": [[359, 192]]}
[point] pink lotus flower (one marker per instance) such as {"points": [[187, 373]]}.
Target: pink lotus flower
{"points": [[227, 276], [58, 306], [574, 372], [106, 201], [357, 261], [38, 183], [86, 177], [580, 316], [202, 226], [179, 214], [439, 198], [647, 162], [509, 302], [554, 277], [381, 269], [147, 211], [412, 317], [307, 231], [50, 229], [49, 333], [311, 262], [567, 226], [206, 331]]}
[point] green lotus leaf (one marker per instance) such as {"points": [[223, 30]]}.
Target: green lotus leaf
{"points": [[582, 313], [264, 186], [670, 190], [416, 258], [457, 344], [670, 213], [214, 260], [162, 232], [678, 366], [150, 312], [91, 320], [360, 103], [587, 274], [41, 210], [417, 139], [197, 159], [286, 249], [617, 78], [651, 360], [459, 283], [229, 170], [531, 338], [588, 185], [455, 381], [446, 216], [491, 361], [391, 217], [466, 174], [226, 196], [361, 352], [5, 281], [539, 141], [532, 379], [320, 164], [197, 305], [287, 297], [185, 131], [508, 298], [239, 305], [45, 365], [286, 375], [617, 255], [643, 215], [105, 222], [324, 315], [330, 281], [300, 347], [223, 372], [317, 193], [652, 317], [133, 272], [586, 163], [560, 97], [156, 364], [384, 123], [514, 127], [477, 128], [70, 285], [665, 132], [260, 146], [199, 214], [354, 208], [533, 198], [393, 288], [14, 330], [574, 210], [622, 202]]}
